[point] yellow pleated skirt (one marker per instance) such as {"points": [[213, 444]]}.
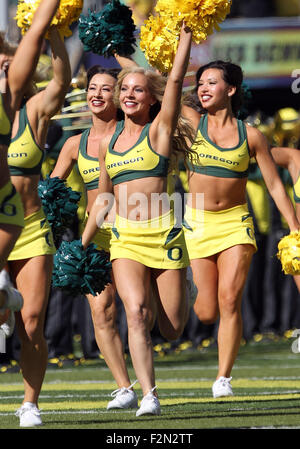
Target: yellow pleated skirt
{"points": [[36, 238], [156, 243], [210, 232]]}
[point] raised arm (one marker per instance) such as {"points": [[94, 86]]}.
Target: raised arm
{"points": [[53, 96], [259, 148], [172, 97], [27, 55], [67, 158], [125, 61], [171, 103]]}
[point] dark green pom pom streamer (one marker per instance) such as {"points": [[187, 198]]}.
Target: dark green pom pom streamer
{"points": [[60, 204], [108, 31], [81, 271]]}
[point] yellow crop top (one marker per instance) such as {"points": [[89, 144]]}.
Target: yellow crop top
{"points": [[220, 162], [140, 161], [25, 157], [88, 166], [5, 125]]}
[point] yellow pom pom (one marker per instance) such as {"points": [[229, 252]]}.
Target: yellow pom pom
{"points": [[159, 42], [67, 13], [289, 253], [201, 16]]}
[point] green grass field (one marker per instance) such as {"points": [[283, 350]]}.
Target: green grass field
{"points": [[266, 383]]}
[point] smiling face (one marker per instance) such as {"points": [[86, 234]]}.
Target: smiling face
{"points": [[213, 91], [135, 97], [100, 94]]}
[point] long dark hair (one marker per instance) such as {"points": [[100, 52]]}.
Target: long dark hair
{"points": [[232, 74]]}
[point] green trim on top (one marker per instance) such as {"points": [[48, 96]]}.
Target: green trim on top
{"points": [[241, 130], [92, 185], [218, 172], [118, 131], [83, 146], [23, 123]]}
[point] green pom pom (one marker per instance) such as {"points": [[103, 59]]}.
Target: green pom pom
{"points": [[60, 204], [81, 270], [108, 31]]}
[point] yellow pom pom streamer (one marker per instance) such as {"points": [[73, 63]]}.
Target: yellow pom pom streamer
{"points": [[159, 41], [67, 13], [289, 253], [201, 16]]}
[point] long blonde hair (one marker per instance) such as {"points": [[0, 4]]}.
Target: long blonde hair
{"points": [[184, 133]]}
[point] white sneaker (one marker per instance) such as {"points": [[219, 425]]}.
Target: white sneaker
{"points": [[222, 387], [14, 299], [191, 289], [29, 415], [149, 405], [123, 398], [9, 325]]}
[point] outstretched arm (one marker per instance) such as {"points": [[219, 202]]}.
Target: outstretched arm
{"points": [[67, 158], [259, 147], [288, 158], [282, 156], [27, 55]]}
